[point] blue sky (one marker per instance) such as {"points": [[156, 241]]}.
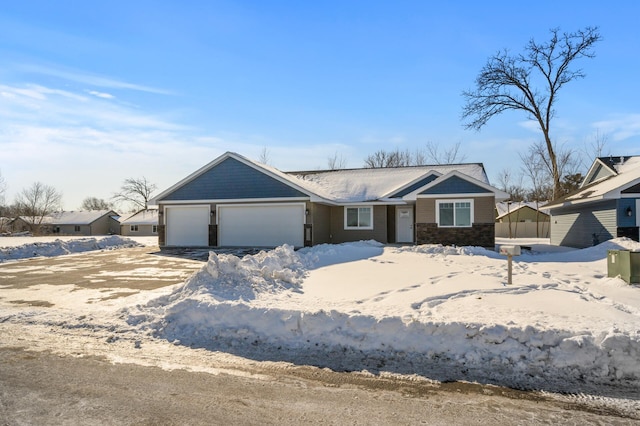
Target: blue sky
{"points": [[92, 93]]}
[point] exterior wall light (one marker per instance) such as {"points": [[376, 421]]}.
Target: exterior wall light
{"points": [[629, 211]]}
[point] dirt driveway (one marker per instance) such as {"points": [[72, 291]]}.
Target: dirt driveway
{"points": [[131, 269]]}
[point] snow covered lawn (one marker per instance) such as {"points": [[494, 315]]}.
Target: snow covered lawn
{"points": [[442, 312], [445, 313]]}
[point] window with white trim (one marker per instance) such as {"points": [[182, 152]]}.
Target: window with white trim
{"points": [[134, 228], [454, 213], [360, 217], [154, 229]]}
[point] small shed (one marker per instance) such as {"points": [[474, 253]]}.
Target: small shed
{"points": [[522, 220]]}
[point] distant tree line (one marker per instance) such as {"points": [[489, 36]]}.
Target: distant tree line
{"points": [[39, 200]]}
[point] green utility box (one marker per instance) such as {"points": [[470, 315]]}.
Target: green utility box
{"points": [[625, 264]]}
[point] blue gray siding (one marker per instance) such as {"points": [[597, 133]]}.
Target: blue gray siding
{"points": [[455, 185], [411, 188], [623, 219], [583, 226], [232, 179]]}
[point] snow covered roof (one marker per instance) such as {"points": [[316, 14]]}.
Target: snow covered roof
{"points": [[143, 217], [504, 208], [46, 220], [77, 217], [355, 185], [627, 174]]}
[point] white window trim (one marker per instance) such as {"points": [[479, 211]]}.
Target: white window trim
{"points": [[358, 228], [154, 229], [133, 228], [455, 200]]}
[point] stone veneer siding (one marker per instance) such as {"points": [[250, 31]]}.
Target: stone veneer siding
{"points": [[480, 234], [161, 235], [213, 235]]}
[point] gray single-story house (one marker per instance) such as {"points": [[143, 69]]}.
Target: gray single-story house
{"points": [[605, 206], [91, 222], [237, 202], [85, 223], [141, 223]]}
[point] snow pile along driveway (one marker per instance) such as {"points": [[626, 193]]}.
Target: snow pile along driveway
{"points": [[441, 312], [60, 247]]}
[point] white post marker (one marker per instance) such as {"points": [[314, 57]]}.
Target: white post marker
{"points": [[510, 251]]}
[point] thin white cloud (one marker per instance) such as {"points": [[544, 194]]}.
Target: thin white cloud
{"points": [[65, 108], [101, 94], [89, 79], [619, 127]]}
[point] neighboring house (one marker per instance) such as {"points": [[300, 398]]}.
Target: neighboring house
{"points": [[522, 220], [5, 224], [605, 206], [142, 223], [234, 201], [36, 225], [94, 222]]}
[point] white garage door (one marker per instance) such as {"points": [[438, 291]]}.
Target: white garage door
{"points": [[265, 225], [187, 226]]}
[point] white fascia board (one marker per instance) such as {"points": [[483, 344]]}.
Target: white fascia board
{"points": [[317, 199], [461, 195], [618, 192], [234, 200], [371, 203]]}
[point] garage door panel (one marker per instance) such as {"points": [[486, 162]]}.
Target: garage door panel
{"points": [[261, 226], [187, 226]]}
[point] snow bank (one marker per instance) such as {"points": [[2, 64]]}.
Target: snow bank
{"points": [[236, 305], [60, 247]]}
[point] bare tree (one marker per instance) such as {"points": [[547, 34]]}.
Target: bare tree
{"points": [[594, 148], [567, 164], [36, 202], [137, 191], [510, 83], [381, 158], [539, 176], [93, 203], [265, 156], [336, 162], [3, 189], [512, 184], [449, 155], [597, 146]]}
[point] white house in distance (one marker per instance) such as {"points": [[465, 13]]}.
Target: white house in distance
{"points": [[142, 223]]}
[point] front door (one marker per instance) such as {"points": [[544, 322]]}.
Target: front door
{"points": [[404, 224]]}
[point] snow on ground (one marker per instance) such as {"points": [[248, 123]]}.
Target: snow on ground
{"points": [[443, 312], [22, 247]]}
